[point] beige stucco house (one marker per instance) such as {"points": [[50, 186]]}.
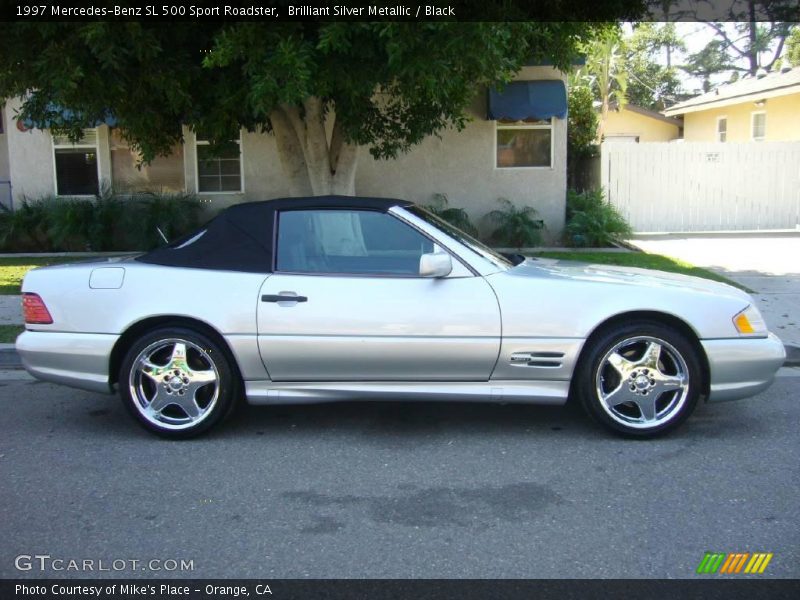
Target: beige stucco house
{"points": [[637, 124], [754, 109], [524, 161]]}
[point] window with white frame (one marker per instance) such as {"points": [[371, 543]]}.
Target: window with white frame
{"points": [[219, 167], [76, 165], [758, 126], [524, 144], [722, 129]]}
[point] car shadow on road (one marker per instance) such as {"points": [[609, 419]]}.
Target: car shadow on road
{"points": [[380, 423], [408, 420]]}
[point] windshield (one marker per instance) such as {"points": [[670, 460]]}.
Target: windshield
{"points": [[466, 239]]}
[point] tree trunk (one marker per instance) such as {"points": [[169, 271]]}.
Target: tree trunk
{"points": [[313, 163], [601, 122], [290, 153], [752, 51]]}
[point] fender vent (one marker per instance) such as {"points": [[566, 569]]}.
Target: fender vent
{"points": [[544, 360]]}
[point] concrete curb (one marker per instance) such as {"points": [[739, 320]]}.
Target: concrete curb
{"points": [[792, 356], [9, 359]]}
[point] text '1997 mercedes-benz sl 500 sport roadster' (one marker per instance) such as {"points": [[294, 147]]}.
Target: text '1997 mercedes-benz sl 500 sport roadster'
{"points": [[337, 298]]}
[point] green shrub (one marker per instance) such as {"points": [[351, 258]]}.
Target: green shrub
{"points": [[581, 123], [457, 217], [591, 221], [107, 223], [515, 227], [26, 229], [174, 214], [68, 223], [106, 231]]}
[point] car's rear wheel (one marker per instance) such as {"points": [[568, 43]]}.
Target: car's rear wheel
{"points": [[641, 379], [177, 382]]}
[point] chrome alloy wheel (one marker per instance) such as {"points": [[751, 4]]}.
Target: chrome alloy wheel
{"points": [[642, 382], [174, 384]]}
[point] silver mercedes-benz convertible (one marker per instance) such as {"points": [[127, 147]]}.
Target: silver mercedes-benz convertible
{"points": [[336, 298]]}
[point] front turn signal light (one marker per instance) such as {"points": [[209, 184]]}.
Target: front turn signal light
{"points": [[749, 321], [743, 324]]}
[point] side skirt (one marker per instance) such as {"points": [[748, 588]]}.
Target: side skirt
{"points": [[528, 392]]}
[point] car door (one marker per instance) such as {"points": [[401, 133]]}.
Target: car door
{"points": [[346, 303]]}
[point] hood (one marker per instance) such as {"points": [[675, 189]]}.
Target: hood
{"points": [[624, 276]]}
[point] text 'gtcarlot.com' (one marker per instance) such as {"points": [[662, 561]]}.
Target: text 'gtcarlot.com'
{"points": [[46, 562]]}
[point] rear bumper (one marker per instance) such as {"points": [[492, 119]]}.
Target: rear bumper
{"points": [[742, 367], [78, 360]]}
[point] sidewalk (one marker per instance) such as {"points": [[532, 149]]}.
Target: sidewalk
{"points": [[766, 264], [10, 310]]}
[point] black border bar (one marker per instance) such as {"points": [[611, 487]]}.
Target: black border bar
{"points": [[266, 11], [398, 589]]}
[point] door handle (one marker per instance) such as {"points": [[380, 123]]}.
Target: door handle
{"points": [[282, 298]]}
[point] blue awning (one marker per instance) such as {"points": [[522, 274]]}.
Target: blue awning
{"points": [[523, 100], [59, 116]]}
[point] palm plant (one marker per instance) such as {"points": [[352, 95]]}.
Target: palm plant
{"points": [[591, 221], [457, 217], [515, 227], [605, 69]]}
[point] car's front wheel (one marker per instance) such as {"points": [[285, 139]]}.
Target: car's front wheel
{"points": [[177, 382], [641, 379]]}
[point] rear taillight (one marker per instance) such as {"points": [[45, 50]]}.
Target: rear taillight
{"points": [[35, 310]]}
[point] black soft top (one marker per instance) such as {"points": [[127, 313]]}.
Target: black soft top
{"points": [[240, 237]]}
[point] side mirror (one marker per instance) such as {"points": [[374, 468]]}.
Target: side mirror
{"points": [[436, 264]]}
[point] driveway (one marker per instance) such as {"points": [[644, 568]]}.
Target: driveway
{"points": [[766, 263]]}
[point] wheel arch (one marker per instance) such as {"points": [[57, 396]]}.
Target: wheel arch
{"points": [[140, 328], [656, 316]]}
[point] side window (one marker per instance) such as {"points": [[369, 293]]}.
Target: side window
{"points": [[348, 241]]}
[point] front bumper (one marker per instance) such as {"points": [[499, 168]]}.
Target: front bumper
{"points": [[742, 367], [78, 360]]}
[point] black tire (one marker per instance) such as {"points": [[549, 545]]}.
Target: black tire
{"points": [[598, 383], [180, 383]]}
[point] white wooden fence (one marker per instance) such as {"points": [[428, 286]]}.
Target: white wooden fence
{"points": [[689, 186]]}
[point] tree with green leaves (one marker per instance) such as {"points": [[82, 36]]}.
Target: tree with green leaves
{"points": [[758, 44], [752, 35], [793, 47], [581, 121], [652, 83], [324, 89], [709, 61]]}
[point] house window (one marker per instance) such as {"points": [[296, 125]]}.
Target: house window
{"points": [[219, 168], [758, 124], [722, 129], [524, 144], [76, 165]]}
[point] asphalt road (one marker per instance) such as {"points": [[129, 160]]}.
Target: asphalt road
{"points": [[396, 490]]}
